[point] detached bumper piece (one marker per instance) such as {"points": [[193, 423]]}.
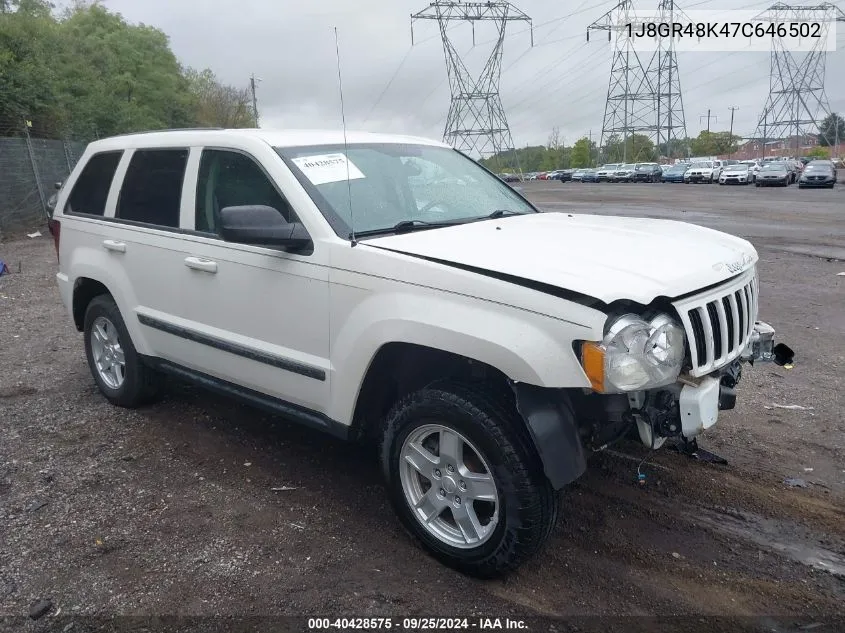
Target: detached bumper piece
{"points": [[762, 348]]}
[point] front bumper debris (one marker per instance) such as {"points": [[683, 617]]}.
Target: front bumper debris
{"points": [[762, 348]]}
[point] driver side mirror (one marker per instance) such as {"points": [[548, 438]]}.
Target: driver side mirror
{"points": [[263, 226]]}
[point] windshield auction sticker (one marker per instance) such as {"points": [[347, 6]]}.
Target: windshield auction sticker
{"points": [[328, 168]]}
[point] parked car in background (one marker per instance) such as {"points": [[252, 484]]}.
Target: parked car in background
{"points": [[753, 168], [625, 173], [739, 174], [605, 172], [774, 173], [578, 174], [796, 168], [647, 172], [818, 173], [509, 177], [674, 173], [563, 175], [590, 175], [700, 172]]}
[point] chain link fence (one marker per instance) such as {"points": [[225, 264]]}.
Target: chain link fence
{"points": [[29, 169]]}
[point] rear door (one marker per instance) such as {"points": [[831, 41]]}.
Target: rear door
{"points": [[144, 242]]}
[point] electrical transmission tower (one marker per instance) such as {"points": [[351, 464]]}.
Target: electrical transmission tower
{"points": [[476, 122], [663, 70], [631, 98], [797, 99]]}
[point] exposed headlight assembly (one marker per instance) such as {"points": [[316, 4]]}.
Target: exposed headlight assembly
{"points": [[635, 355]]}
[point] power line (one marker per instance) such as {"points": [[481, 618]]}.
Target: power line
{"points": [[476, 122]]}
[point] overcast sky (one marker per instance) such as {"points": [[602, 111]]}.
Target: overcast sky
{"points": [[560, 82]]}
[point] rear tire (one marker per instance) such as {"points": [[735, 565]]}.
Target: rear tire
{"points": [[509, 530], [115, 365]]}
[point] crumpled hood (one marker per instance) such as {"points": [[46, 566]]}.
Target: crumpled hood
{"points": [[605, 257]]}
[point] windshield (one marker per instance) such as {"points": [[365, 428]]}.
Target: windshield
{"points": [[703, 165], [629, 167], [736, 168], [774, 167], [392, 183]]}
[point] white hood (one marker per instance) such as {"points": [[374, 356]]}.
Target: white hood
{"points": [[605, 257]]}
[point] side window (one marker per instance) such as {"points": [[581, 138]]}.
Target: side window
{"points": [[231, 179], [91, 190], [152, 188]]}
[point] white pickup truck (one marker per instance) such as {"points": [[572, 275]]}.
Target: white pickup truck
{"points": [[390, 289]]}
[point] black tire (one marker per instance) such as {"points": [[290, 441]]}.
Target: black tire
{"points": [[141, 384], [528, 504]]}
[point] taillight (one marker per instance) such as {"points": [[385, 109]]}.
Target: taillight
{"points": [[55, 230]]}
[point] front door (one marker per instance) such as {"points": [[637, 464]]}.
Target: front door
{"points": [[258, 316]]}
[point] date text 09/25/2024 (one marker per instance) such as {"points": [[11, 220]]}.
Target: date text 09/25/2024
{"points": [[416, 624]]}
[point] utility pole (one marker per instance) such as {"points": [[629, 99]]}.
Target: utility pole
{"points": [[631, 105], [708, 117], [476, 122], [797, 100], [731, 133], [590, 148], [252, 81]]}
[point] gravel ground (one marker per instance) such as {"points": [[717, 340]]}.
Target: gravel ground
{"points": [[174, 509]]}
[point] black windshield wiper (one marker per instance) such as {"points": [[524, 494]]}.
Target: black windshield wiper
{"points": [[406, 226], [500, 213]]}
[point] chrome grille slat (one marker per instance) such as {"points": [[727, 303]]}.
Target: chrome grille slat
{"points": [[723, 327], [727, 312], [735, 312], [708, 335]]}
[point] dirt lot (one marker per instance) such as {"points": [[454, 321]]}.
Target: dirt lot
{"points": [[170, 510]]}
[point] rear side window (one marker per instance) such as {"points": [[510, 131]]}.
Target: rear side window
{"points": [[91, 190], [152, 188]]}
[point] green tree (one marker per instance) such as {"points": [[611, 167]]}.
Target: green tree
{"points": [[114, 77], [818, 152], [217, 104], [831, 130], [582, 153], [27, 77], [637, 148], [714, 143]]}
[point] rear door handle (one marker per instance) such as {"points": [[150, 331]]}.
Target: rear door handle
{"points": [[117, 247], [198, 263]]}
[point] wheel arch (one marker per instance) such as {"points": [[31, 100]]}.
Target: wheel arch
{"points": [[85, 289], [398, 369]]}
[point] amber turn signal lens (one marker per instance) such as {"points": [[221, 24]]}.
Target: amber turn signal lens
{"points": [[592, 358]]}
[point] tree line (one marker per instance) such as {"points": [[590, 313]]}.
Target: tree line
{"points": [[86, 73], [637, 148]]}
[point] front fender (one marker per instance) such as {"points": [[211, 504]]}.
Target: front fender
{"points": [[525, 346]]}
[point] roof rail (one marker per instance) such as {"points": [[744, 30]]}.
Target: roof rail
{"points": [[183, 129]]}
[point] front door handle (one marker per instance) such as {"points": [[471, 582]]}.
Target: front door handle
{"points": [[198, 263], [117, 247]]}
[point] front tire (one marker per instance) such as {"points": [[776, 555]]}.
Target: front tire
{"points": [[465, 480], [114, 363]]}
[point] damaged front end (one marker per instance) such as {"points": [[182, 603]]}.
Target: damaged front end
{"points": [[663, 375]]}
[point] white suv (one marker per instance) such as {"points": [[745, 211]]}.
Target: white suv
{"points": [[393, 290]]}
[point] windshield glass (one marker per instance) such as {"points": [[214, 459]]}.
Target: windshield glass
{"points": [[736, 168], [391, 183], [628, 167], [703, 165], [774, 167]]}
